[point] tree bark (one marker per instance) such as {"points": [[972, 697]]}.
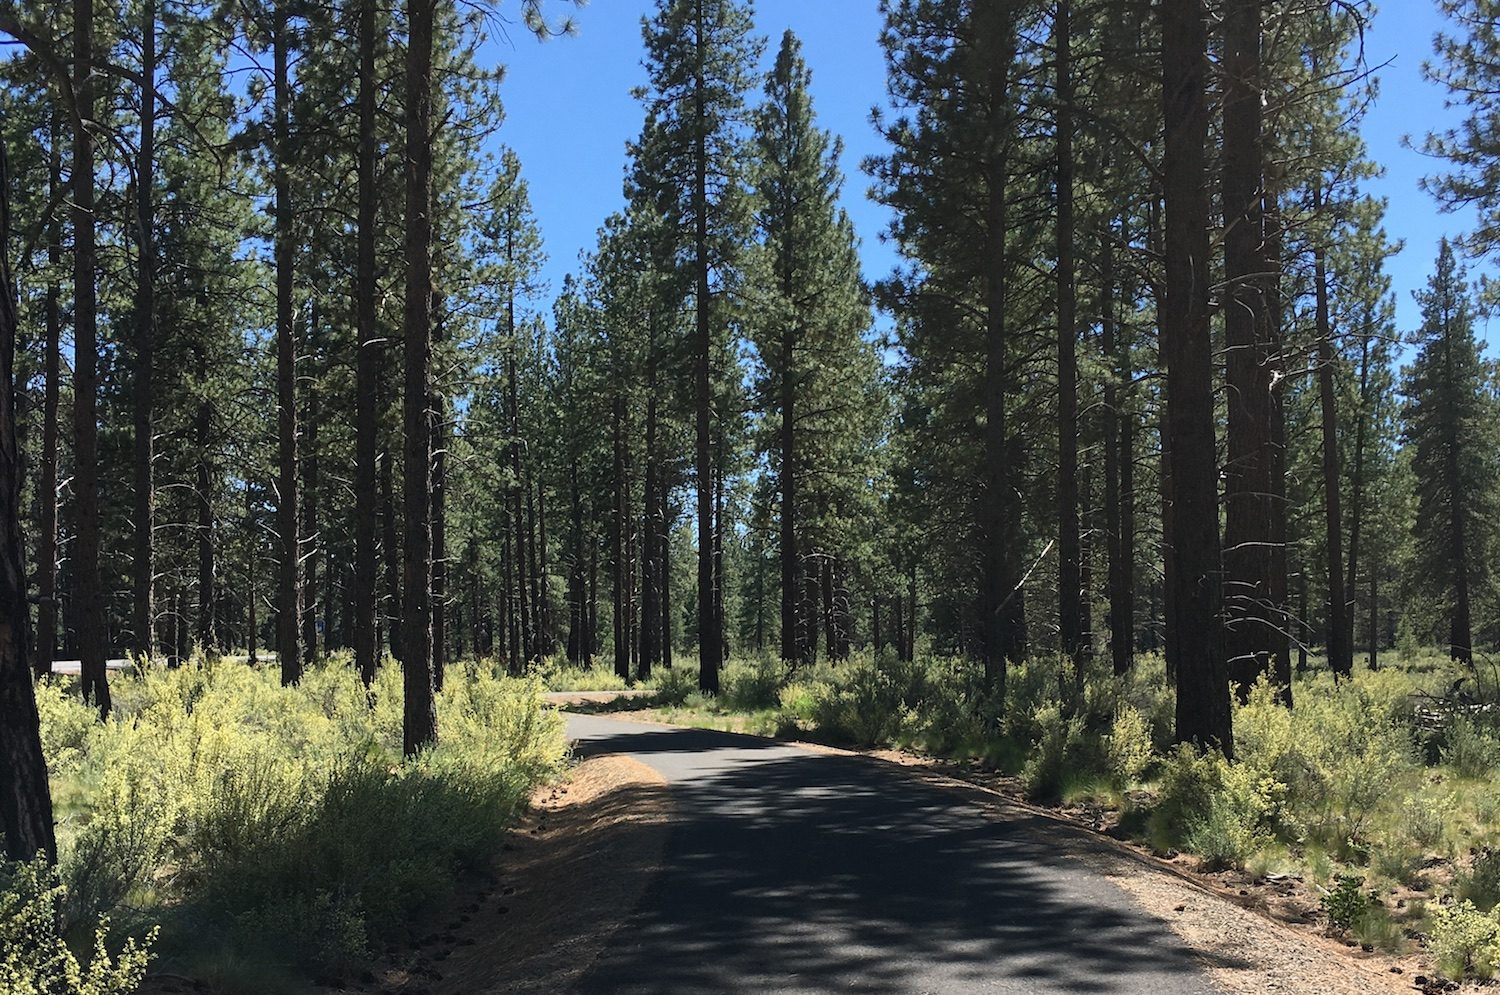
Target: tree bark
{"points": [[25, 796], [439, 545], [46, 612], [1340, 653], [650, 648], [312, 605], [143, 393], [1358, 484], [1069, 541], [617, 541], [207, 567], [710, 625], [419, 723], [1203, 714], [1251, 630], [1280, 594], [392, 545], [1000, 608], [289, 575], [366, 362], [1118, 544], [88, 593]]}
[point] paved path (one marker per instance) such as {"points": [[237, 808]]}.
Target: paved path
{"points": [[790, 871]]}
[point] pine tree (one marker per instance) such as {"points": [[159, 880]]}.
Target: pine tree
{"points": [[808, 313], [25, 796], [1452, 426], [699, 59], [1203, 714], [1466, 66]]}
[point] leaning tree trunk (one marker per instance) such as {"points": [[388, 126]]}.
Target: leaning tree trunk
{"points": [[25, 797], [419, 725], [1203, 713]]}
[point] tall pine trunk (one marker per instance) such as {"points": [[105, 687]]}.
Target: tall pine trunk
{"points": [[1340, 652], [419, 721], [1069, 542], [1000, 607], [617, 541], [143, 393], [366, 361], [1357, 484], [1203, 714], [439, 544], [710, 624], [1251, 630], [88, 591], [392, 545], [1119, 543], [25, 796], [312, 604], [46, 611], [289, 574], [207, 566], [650, 648]]}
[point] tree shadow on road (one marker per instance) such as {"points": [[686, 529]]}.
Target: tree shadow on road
{"points": [[792, 871]]}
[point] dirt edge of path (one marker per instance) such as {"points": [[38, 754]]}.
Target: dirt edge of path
{"points": [[576, 866]]}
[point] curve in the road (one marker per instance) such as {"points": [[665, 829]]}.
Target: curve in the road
{"points": [[792, 871]]}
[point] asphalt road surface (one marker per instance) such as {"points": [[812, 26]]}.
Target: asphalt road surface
{"points": [[789, 871]]}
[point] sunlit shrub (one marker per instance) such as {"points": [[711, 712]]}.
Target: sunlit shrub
{"points": [[1127, 747], [1469, 750], [290, 811], [35, 959], [1463, 941]]}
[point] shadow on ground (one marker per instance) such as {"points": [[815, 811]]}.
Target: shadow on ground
{"points": [[792, 871]]}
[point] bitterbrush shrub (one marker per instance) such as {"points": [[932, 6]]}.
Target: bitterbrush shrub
{"points": [[286, 817], [1464, 941], [34, 957]]}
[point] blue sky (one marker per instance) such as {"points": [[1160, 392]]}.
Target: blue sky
{"points": [[570, 113]]}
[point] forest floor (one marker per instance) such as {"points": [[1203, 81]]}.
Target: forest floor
{"points": [[1253, 935]]}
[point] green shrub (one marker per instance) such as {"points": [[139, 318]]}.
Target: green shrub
{"points": [[1480, 884], [1344, 904], [875, 701], [558, 674], [1189, 781], [1463, 941], [34, 958], [675, 685], [286, 816], [1468, 749], [1127, 748], [1230, 832], [1062, 750], [753, 686], [1331, 765]]}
